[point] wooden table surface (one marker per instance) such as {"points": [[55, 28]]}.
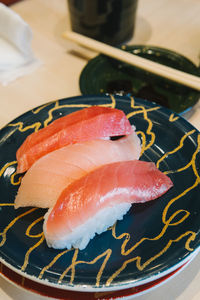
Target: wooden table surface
{"points": [[171, 24]]}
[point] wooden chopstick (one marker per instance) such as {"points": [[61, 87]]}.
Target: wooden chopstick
{"points": [[143, 63]]}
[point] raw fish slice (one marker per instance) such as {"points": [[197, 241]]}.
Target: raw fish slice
{"points": [[79, 210], [49, 175], [87, 124]]}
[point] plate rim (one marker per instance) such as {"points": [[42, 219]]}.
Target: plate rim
{"points": [[106, 289], [153, 286]]}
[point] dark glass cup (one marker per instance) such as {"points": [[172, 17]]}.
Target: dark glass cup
{"points": [[109, 21]]}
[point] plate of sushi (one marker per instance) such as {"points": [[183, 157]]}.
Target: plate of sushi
{"points": [[98, 193]]}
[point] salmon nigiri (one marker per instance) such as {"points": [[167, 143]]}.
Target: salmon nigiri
{"points": [[86, 124], [49, 175], [95, 201]]}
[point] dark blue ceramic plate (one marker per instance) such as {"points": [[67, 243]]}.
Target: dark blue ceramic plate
{"points": [[151, 241]]}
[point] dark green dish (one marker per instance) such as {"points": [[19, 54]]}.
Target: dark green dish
{"points": [[105, 75], [151, 241]]}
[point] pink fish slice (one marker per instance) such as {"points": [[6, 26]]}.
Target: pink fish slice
{"points": [[87, 124], [95, 201]]}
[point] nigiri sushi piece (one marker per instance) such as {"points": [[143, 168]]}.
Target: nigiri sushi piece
{"points": [[86, 124], [49, 175], [95, 201]]}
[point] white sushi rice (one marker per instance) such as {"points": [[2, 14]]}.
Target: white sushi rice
{"points": [[81, 235]]}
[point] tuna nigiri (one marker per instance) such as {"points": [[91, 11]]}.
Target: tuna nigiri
{"points": [[49, 175], [94, 202], [87, 124]]}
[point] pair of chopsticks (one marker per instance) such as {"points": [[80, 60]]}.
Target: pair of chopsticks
{"points": [[142, 63]]}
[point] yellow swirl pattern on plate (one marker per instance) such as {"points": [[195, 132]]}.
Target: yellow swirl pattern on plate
{"points": [[170, 216]]}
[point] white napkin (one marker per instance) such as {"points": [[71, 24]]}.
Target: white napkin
{"points": [[16, 56]]}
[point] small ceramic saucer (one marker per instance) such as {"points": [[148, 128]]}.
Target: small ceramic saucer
{"points": [[105, 75]]}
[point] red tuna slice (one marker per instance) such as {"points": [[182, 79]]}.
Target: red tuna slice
{"points": [[112, 184], [87, 124]]}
